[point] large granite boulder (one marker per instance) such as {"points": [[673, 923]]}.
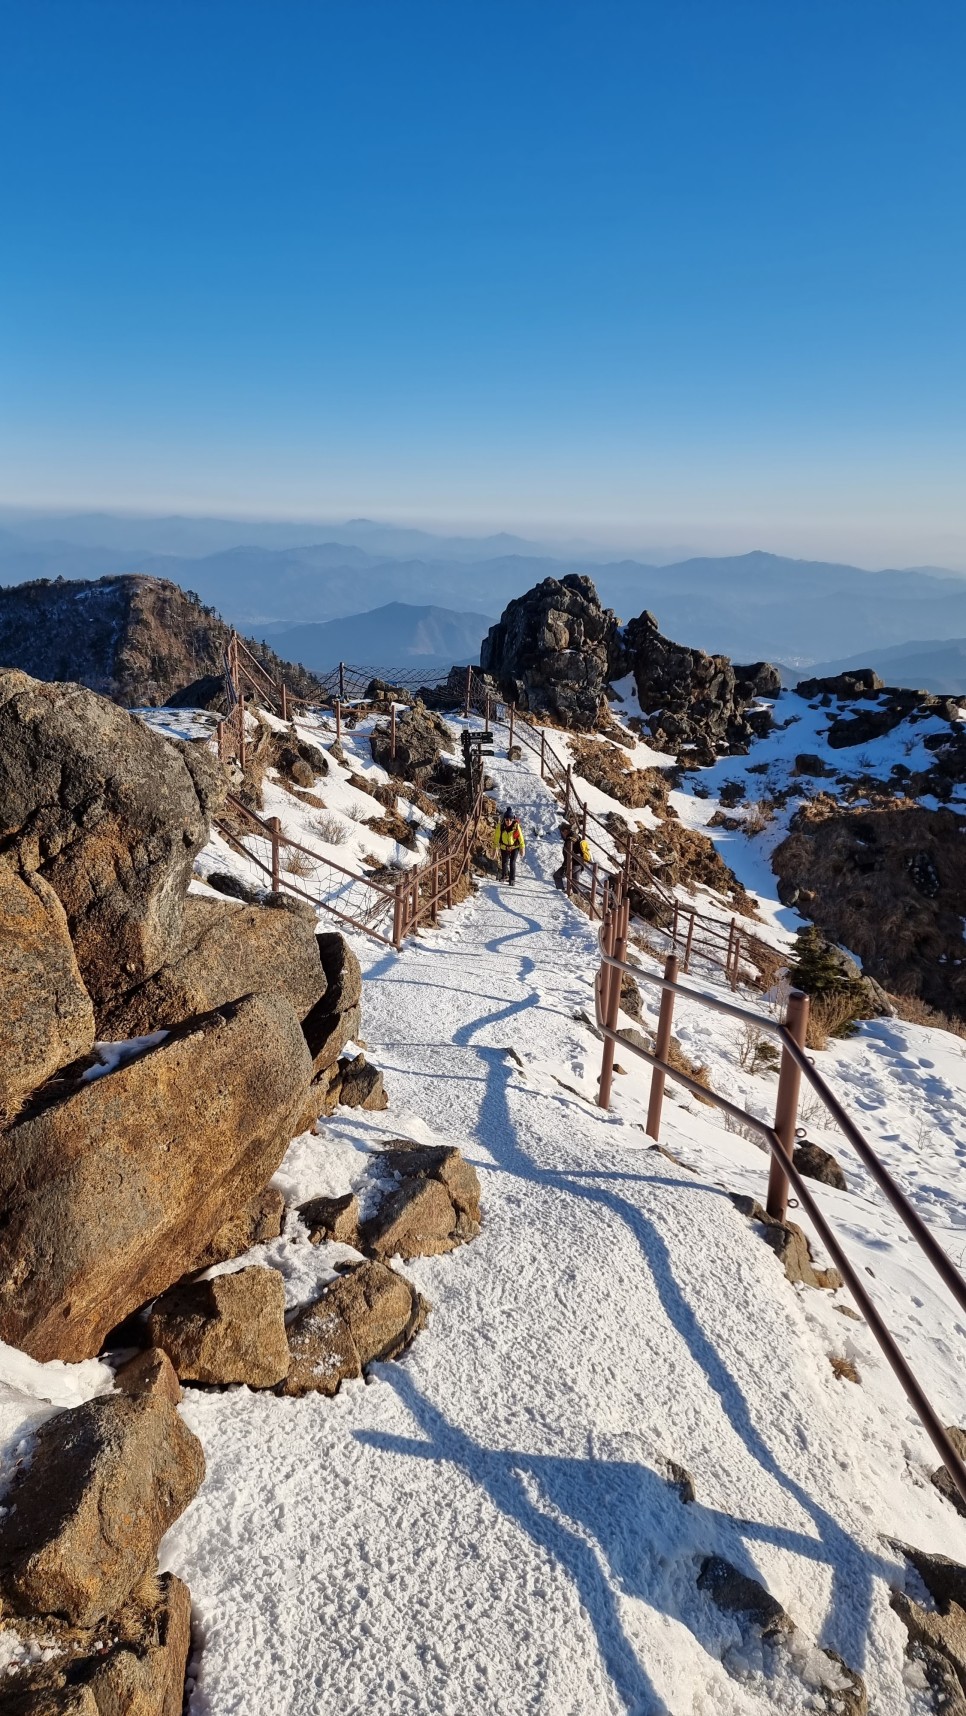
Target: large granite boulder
{"points": [[115, 1190], [550, 650], [224, 951], [693, 702], [104, 1482], [111, 815], [48, 1020], [434, 1204], [421, 738]]}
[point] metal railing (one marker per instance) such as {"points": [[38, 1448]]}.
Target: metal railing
{"points": [[696, 934], [778, 1136]]}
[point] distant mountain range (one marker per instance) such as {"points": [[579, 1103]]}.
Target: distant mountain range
{"points": [[748, 606], [394, 636], [930, 664]]}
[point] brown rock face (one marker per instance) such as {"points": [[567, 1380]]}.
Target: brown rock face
{"points": [[343, 973], [790, 1246], [105, 1482], [223, 952], [138, 1671], [110, 815], [116, 1191], [327, 1033], [231, 1329], [48, 1020], [258, 1221], [361, 1086], [368, 1313], [435, 1209], [335, 1219]]}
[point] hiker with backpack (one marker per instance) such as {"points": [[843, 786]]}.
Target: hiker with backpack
{"points": [[576, 853], [508, 841]]}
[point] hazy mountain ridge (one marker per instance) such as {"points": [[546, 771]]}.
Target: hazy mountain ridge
{"points": [[394, 635]]}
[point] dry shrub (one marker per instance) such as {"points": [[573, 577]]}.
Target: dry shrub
{"points": [[297, 863], [759, 816], [830, 1015], [770, 963], [916, 1011], [756, 1051], [331, 829], [844, 1368], [682, 1063], [604, 766], [744, 1129]]}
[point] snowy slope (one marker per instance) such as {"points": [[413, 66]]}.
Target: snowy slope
{"points": [[488, 1525]]}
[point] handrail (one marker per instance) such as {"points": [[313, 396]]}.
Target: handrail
{"points": [[778, 1138]]}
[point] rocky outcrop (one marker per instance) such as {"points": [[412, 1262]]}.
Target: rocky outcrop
{"points": [[555, 650], [551, 651], [227, 1330], [790, 1245], [48, 1020], [434, 1207], [223, 952], [369, 1313], [105, 1481], [333, 1219], [117, 1189], [829, 1685], [695, 704], [937, 1634], [888, 883], [137, 640], [253, 1224], [360, 1085], [818, 1164], [941, 1478], [421, 738], [111, 816]]}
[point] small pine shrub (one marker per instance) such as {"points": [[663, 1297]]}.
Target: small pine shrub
{"points": [[838, 1001]]}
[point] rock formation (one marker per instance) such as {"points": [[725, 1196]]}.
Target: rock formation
{"points": [[555, 650], [135, 639], [227, 1330], [421, 737], [550, 652], [434, 1204], [110, 815], [48, 1019], [368, 1313]]}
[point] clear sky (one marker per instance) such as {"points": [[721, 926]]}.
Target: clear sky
{"points": [[688, 271]]}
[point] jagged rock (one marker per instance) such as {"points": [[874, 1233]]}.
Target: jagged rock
{"points": [[361, 1086], [110, 815], [48, 1019], [365, 1314], [138, 1670], [343, 973], [223, 952], [818, 1164], [257, 1222], [435, 1208], [841, 1690], [551, 649], [104, 1483], [224, 883], [694, 702], [327, 1032], [790, 1246], [940, 1476], [230, 1329], [113, 1192], [809, 763], [421, 738], [860, 682], [937, 1637], [333, 1219]]}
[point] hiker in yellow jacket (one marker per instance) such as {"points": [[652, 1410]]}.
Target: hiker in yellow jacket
{"points": [[509, 842]]}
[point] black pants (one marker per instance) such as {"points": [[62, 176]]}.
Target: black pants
{"points": [[576, 869], [508, 864]]}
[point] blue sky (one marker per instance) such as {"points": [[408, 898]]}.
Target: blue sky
{"points": [[687, 272]]}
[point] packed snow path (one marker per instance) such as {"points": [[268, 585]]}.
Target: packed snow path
{"points": [[488, 1525]]}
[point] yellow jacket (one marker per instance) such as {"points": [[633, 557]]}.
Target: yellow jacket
{"points": [[511, 837]]}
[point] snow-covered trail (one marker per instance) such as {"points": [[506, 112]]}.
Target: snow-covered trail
{"points": [[488, 1525]]}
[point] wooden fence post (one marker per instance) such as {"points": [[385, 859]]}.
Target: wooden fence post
{"points": [[616, 944], [510, 741], [662, 1045], [593, 890], [397, 917], [469, 689], [786, 1103], [338, 720], [543, 753], [392, 730], [242, 752], [284, 701], [276, 828], [690, 941]]}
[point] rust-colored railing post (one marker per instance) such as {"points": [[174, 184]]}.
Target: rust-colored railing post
{"points": [[242, 748], [617, 948], [543, 754], [220, 737], [469, 691], [276, 828], [569, 876], [284, 697], [449, 877], [730, 951], [690, 941], [662, 1048], [342, 682], [512, 713], [338, 720], [583, 823], [486, 711], [786, 1104], [593, 890], [392, 731], [674, 927], [397, 918], [434, 898], [567, 789]]}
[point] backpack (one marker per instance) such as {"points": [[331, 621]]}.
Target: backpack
{"points": [[583, 847]]}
